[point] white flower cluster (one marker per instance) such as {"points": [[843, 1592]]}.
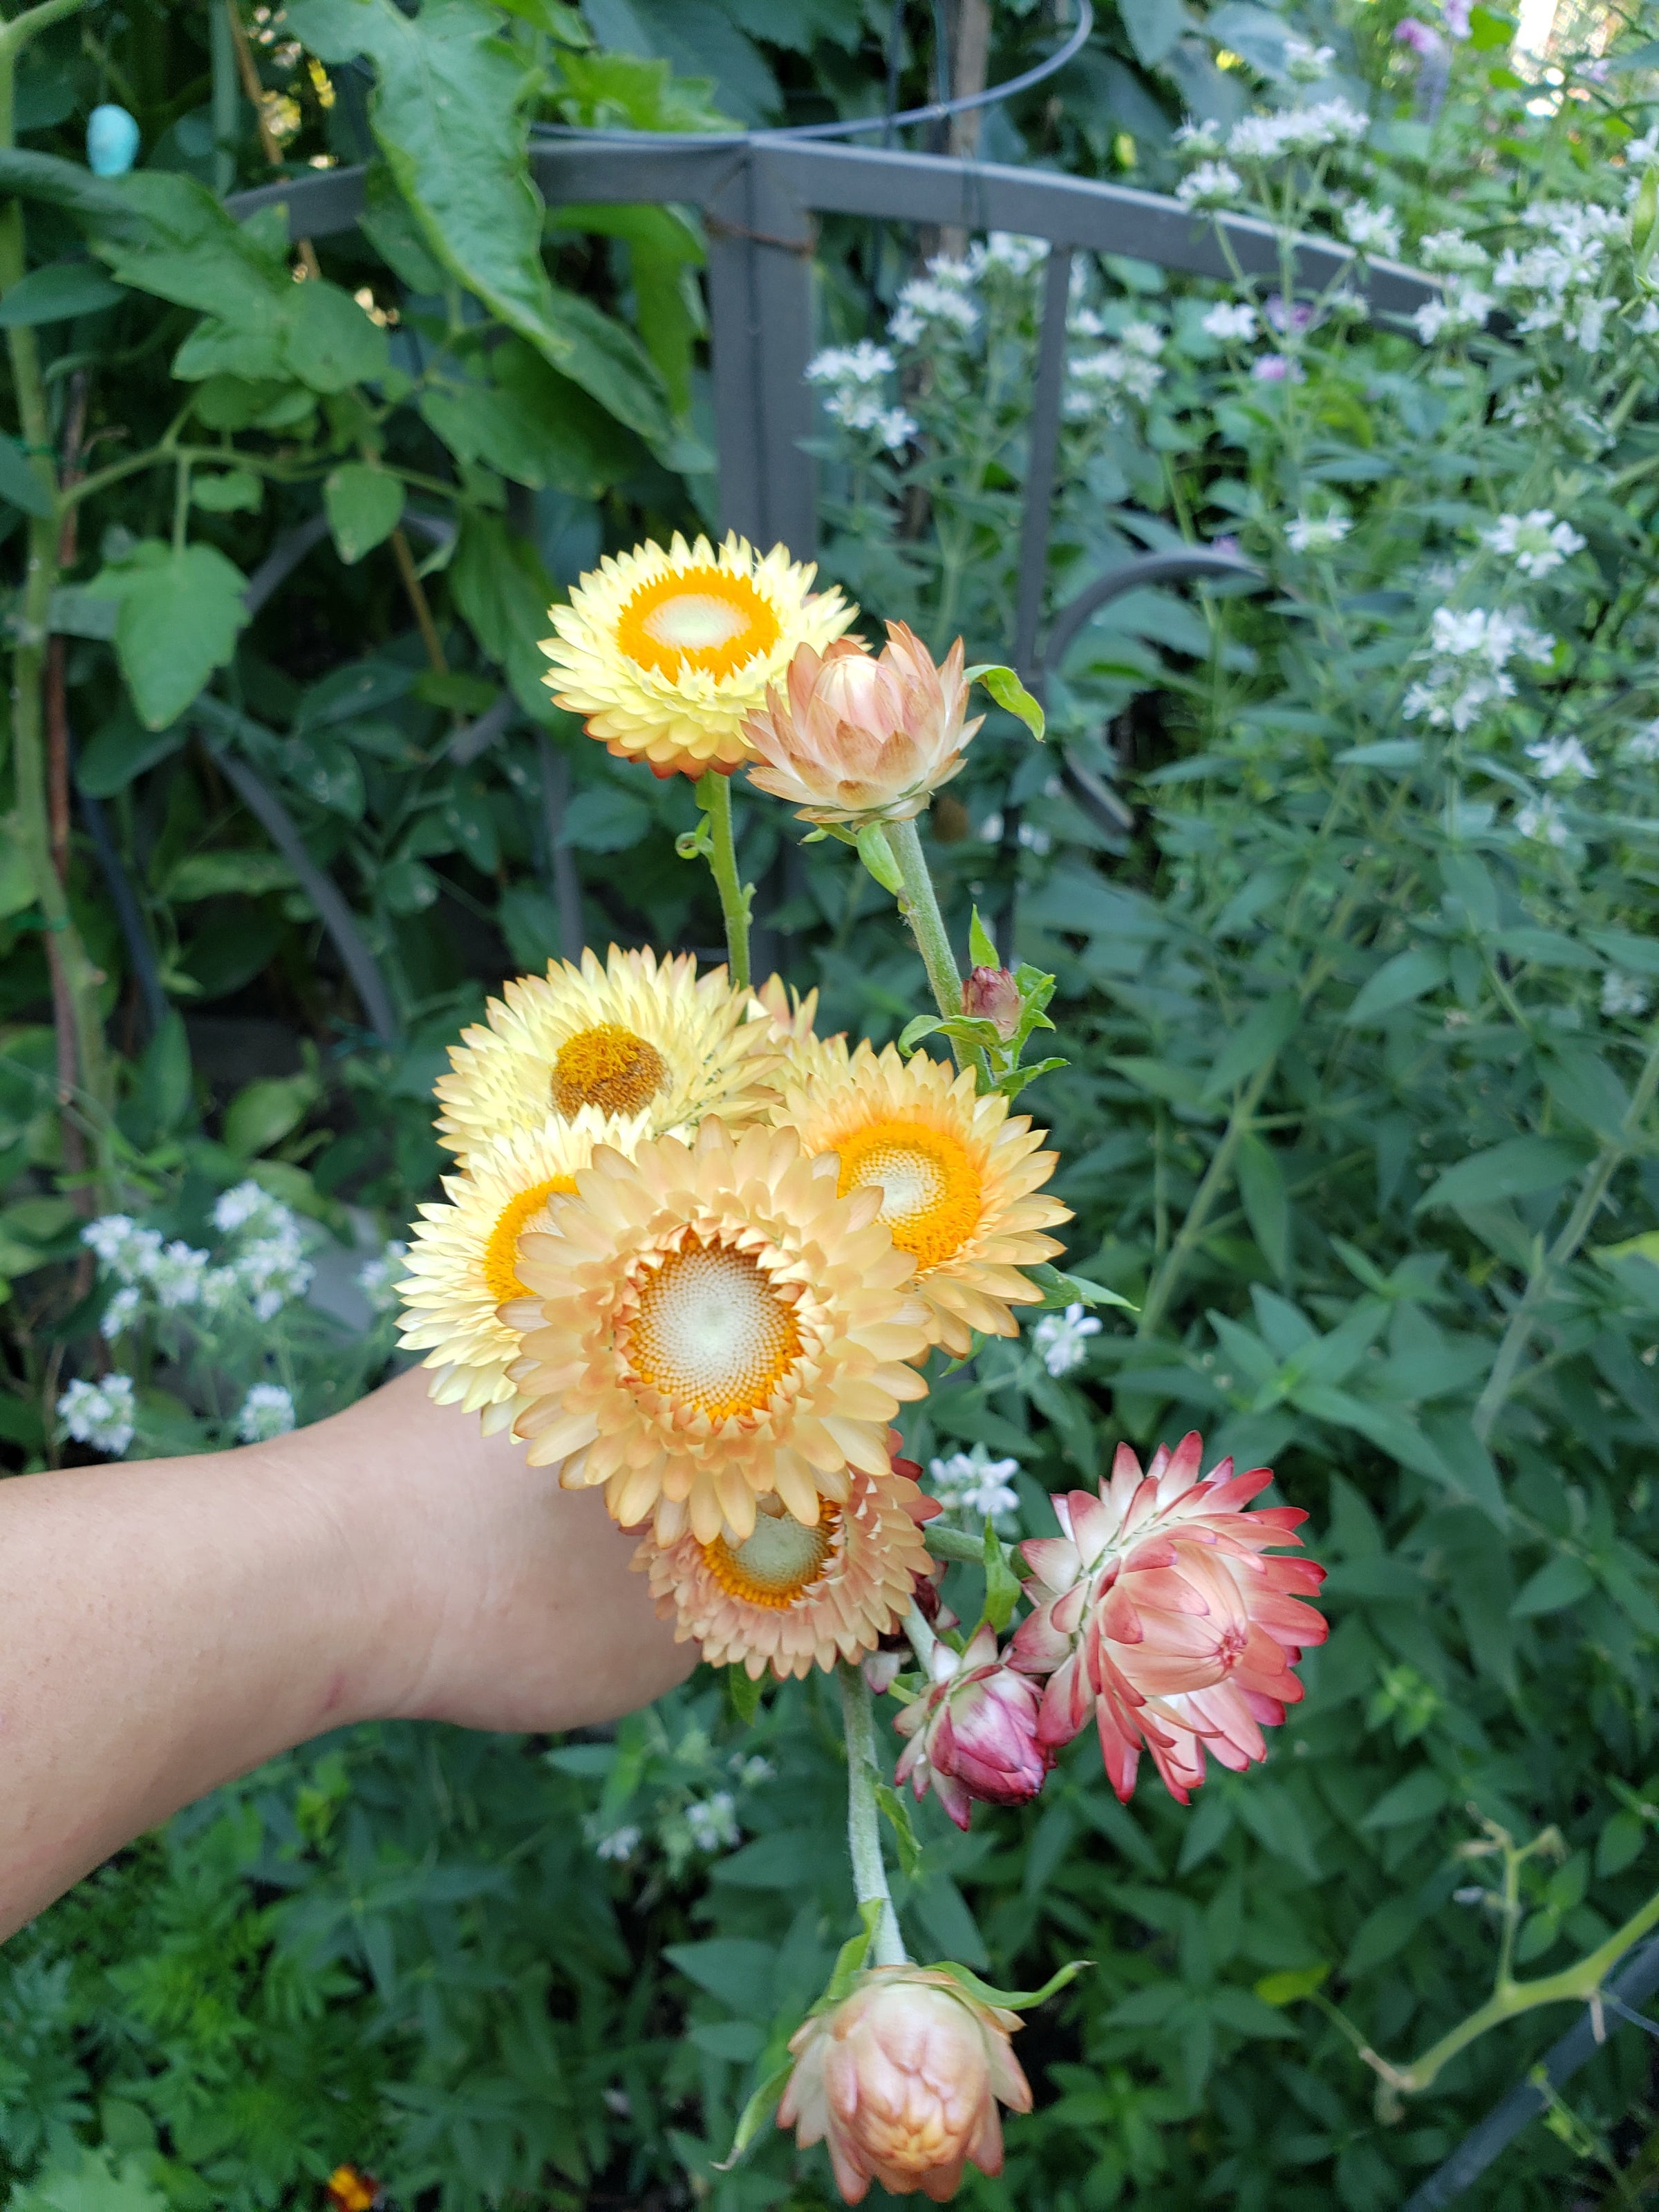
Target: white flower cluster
{"points": [[1470, 652], [1450, 249], [713, 1821], [974, 1483], [1297, 131], [267, 1411], [1560, 280], [855, 376], [1554, 757], [1304, 63], [1622, 994], [1316, 533], [1542, 820], [102, 1414], [378, 1278], [1229, 320], [1528, 406], [1062, 1338], [1641, 748], [1536, 542], [1372, 229], [1210, 184], [936, 306], [1130, 368], [1460, 308], [267, 1269]]}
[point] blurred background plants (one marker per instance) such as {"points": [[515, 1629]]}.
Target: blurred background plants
{"points": [[1347, 884]]}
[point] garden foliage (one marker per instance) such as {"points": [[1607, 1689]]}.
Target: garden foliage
{"points": [[1347, 881]]}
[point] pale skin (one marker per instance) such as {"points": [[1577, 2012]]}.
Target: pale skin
{"points": [[168, 1624]]}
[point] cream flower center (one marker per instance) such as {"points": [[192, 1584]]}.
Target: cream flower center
{"points": [[780, 1560], [712, 1331], [702, 619], [930, 1186]]}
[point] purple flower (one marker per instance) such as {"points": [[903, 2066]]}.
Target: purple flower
{"points": [[1296, 318], [975, 1732], [1276, 368], [1426, 44], [1455, 16]]}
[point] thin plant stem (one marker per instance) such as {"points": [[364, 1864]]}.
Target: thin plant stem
{"points": [[415, 591], [920, 906], [923, 1642], [714, 797], [864, 1817]]}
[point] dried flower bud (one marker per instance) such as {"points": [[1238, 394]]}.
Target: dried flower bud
{"points": [[990, 994], [902, 2078], [975, 1734]]}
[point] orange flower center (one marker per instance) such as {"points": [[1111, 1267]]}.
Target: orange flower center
{"points": [[700, 618], [712, 1331], [609, 1067], [930, 1190], [781, 1561], [502, 1253]]}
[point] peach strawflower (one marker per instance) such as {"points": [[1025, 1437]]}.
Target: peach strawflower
{"points": [[1160, 1615], [665, 654], [639, 1036], [793, 1598], [462, 1263], [902, 2079], [851, 737], [960, 1177], [710, 1324]]}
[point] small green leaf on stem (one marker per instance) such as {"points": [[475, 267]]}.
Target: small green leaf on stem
{"points": [[896, 1814], [1289, 1987], [1060, 1289], [1016, 1080], [756, 2112], [1005, 687], [876, 856], [849, 1960], [742, 1694], [1002, 1585], [981, 946], [1012, 2000]]}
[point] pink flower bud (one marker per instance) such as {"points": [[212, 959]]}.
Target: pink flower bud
{"points": [[975, 1733], [992, 995], [1162, 1616], [902, 2079]]}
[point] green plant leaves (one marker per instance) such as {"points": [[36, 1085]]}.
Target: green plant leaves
{"points": [[364, 506], [1517, 1168], [181, 609], [55, 293], [1005, 687]]}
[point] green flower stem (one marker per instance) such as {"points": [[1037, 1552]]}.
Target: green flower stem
{"points": [[864, 1817], [923, 1642], [1578, 1983], [920, 906], [714, 797], [74, 979]]}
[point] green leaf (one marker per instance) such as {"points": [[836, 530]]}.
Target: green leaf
{"points": [[1013, 1999], [503, 589], [1266, 1201], [742, 1694], [450, 114], [1417, 1798], [331, 344], [1294, 1983], [364, 506], [236, 491], [912, 1034], [896, 1814], [981, 946], [849, 1960], [1518, 1168], [756, 2112], [876, 856], [263, 1113], [1003, 1587], [1397, 983], [1059, 1288], [1254, 1042], [733, 1968], [180, 613], [95, 2184], [1561, 1582], [20, 482], [55, 293], [1005, 687]]}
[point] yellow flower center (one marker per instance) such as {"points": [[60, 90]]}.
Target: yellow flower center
{"points": [[712, 1331], [501, 1252], [930, 1190], [609, 1067], [780, 1561], [700, 618]]}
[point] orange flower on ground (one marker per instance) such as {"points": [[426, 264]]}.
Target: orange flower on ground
{"points": [[462, 1263], [639, 1036], [1160, 1615], [793, 1598], [711, 1324], [665, 654], [902, 2079], [960, 1177], [852, 737]]}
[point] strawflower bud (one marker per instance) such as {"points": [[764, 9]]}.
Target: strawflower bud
{"points": [[853, 738], [975, 1733], [992, 995], [1160, 1615], [901, 2078]]}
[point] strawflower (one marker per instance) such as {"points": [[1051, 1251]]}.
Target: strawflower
{"points": [[901, 2078], [665, 653], [974, 1733], [1159, 1613], [851, 737]]}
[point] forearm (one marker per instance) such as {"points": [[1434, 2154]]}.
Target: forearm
{"points": [[168, 1625]]}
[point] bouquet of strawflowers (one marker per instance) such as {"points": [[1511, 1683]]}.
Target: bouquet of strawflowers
{"points": [[699, 1257]]}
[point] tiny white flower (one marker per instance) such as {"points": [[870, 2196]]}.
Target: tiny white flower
{"points": [[713, 1821], [1372, 229], [974, 1483], [1542, 820], [1210, 184], [895, 429], [102, 1414], [122, 1246], [1462, 308], [120, 1313], [619, 1845], [1005, 250], [1536, 542], [1622, 994], [945, 269], [1559, 756], [248, 1206], [175, 1273], [267, 1411], [272, 1271], [1198, 138], [930, 302], [1316, 533], [863, 363], [1035, 840], [753, 1770], [1450, 249], [1305, 63], [1648, 321], [1230, 320], [378, 1278], [1641, 747], [1061, 1338]]}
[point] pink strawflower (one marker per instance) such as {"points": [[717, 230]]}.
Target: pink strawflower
{"points": [[992, 995], [902, 2077], [975, 1732], [1161, 1616]]}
